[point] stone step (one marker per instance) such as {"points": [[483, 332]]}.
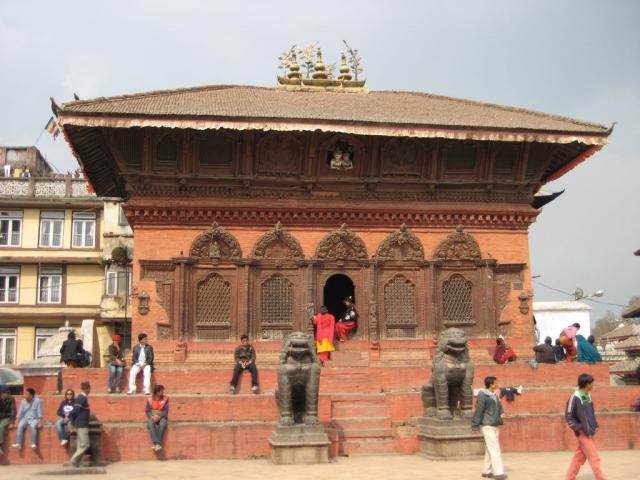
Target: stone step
{"points": [[129, 441], [378, 433], [360, 423], [368, 409]]}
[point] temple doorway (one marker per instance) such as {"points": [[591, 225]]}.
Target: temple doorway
{"points": [[336, 289]]}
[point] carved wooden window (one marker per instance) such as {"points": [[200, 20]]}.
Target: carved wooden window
{"points": [[128, 143], [457, 301], [167, 154], [505, 160], [461, 159], [213, 308], [215, 151], [400, 308], [277, 304]]}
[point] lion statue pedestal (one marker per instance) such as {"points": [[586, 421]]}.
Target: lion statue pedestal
{"points": [[298, 438], [444, 430]]}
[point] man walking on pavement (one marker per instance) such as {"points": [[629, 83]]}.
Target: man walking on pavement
{"points": [[581, 417], [80, 418], [487, 418]]}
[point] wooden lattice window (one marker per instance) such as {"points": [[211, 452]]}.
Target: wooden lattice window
{"points": [[277, 301], [400, 308], [214, 301], [215, 151], [167, 154], [457, 301], [128, 143]]}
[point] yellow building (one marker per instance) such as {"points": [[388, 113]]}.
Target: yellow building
{"points": [[56, 265]]}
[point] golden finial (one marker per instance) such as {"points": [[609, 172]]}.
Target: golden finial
{"points": [[344, 69], [318, 68], [294, 68]]}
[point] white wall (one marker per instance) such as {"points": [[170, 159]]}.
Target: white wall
{"points": [[552, 317]]}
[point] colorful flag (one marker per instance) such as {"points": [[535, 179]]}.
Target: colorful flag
{"points": [[53, 128]]}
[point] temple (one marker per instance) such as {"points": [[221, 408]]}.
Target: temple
{"points": [[251, 207]]}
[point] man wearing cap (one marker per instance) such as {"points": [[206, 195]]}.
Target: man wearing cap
{"points": [[7, 413], [348, 321], [79, 416], [115, 364]]}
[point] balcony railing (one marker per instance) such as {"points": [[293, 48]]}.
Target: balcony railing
{"points": [[44, 187]]}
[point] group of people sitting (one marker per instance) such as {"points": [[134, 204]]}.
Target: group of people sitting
{"points": [[569, 347]]}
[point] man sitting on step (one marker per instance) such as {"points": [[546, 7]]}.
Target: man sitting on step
{"points": [[142, 362], [245, 358]]}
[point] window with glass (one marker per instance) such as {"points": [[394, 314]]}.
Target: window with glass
{"points": [[51, 229], [117, 283], [42, 333], [10, 228], [84, 229], [50, 285], [7, 346], [9, 284]]}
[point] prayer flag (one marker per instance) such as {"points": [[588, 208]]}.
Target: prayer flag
{"points": [[51, 125]]}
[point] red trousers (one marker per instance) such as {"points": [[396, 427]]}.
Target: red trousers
{"points": [[343, 329], [586, 451]]}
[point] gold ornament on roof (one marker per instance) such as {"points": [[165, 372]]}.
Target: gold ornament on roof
{"points": [[317, 75]]}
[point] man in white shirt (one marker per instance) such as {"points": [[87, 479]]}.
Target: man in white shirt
{"points": [[142, 362]]}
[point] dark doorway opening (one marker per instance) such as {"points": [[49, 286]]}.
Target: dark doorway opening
{"points": [[337, 288]]}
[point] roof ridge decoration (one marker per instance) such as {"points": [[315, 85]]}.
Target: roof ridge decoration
{"points": [[317, 75]]}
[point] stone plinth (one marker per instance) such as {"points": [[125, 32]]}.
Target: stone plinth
{"points": [[449, 439], [299, 445]]}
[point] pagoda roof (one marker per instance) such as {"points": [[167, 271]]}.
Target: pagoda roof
{"points": [[393, 113]]}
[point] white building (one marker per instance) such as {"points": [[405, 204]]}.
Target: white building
{"points": [[552, 317]]}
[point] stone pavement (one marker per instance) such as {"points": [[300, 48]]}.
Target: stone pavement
{"points": [[617, 464]]}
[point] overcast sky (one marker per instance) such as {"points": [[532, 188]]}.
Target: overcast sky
{"points": [[574, 58]]}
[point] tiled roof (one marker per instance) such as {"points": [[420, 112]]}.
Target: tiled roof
{"points": [[374, 107], [624, 331]]}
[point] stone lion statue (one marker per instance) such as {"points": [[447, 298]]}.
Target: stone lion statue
{"points": [[298, 380], [451, 378]]}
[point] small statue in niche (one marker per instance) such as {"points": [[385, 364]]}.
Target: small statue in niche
{"points": [[180, 351], [341, 157], [214, 251]]}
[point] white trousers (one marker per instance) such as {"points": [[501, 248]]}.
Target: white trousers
{"points": [[146, 372], [492, 454]]}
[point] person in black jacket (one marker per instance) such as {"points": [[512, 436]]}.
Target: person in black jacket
{"points": [[558, 351], [70, 351], [142, 361], [80, 418], [64, 410], [545, 352], [7, 412], [581, 418]]}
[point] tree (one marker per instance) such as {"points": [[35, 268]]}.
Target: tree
{"points": [[605, 324]]}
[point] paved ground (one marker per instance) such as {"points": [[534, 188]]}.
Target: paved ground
{"points": [[618, 465]]}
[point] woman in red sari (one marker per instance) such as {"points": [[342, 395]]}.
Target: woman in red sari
{"points": [[325, 326], [348, 321]]}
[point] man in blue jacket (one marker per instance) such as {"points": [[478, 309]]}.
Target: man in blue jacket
{"points": [[487, 418], [80, 418]]}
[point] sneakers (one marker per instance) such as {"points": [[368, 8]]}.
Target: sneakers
{"points": [[34, 446], [16, 445], [117, 390], [147, 393], [255, 389], [487, 475], [130, 392], [499, 477], [156, 447], [108, 390], [64, 442], [232, 389]]}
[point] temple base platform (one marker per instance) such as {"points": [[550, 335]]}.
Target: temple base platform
{"points": [[299, 445]]}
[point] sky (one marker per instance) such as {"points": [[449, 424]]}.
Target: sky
{"points": [[574, 58]]}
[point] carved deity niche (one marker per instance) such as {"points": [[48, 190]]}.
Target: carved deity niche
{"points": [[277, 244], [401, 245], [341, 155], [279, 154], [342, 244], [402, 156], [458, 246], [216, 244]]}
